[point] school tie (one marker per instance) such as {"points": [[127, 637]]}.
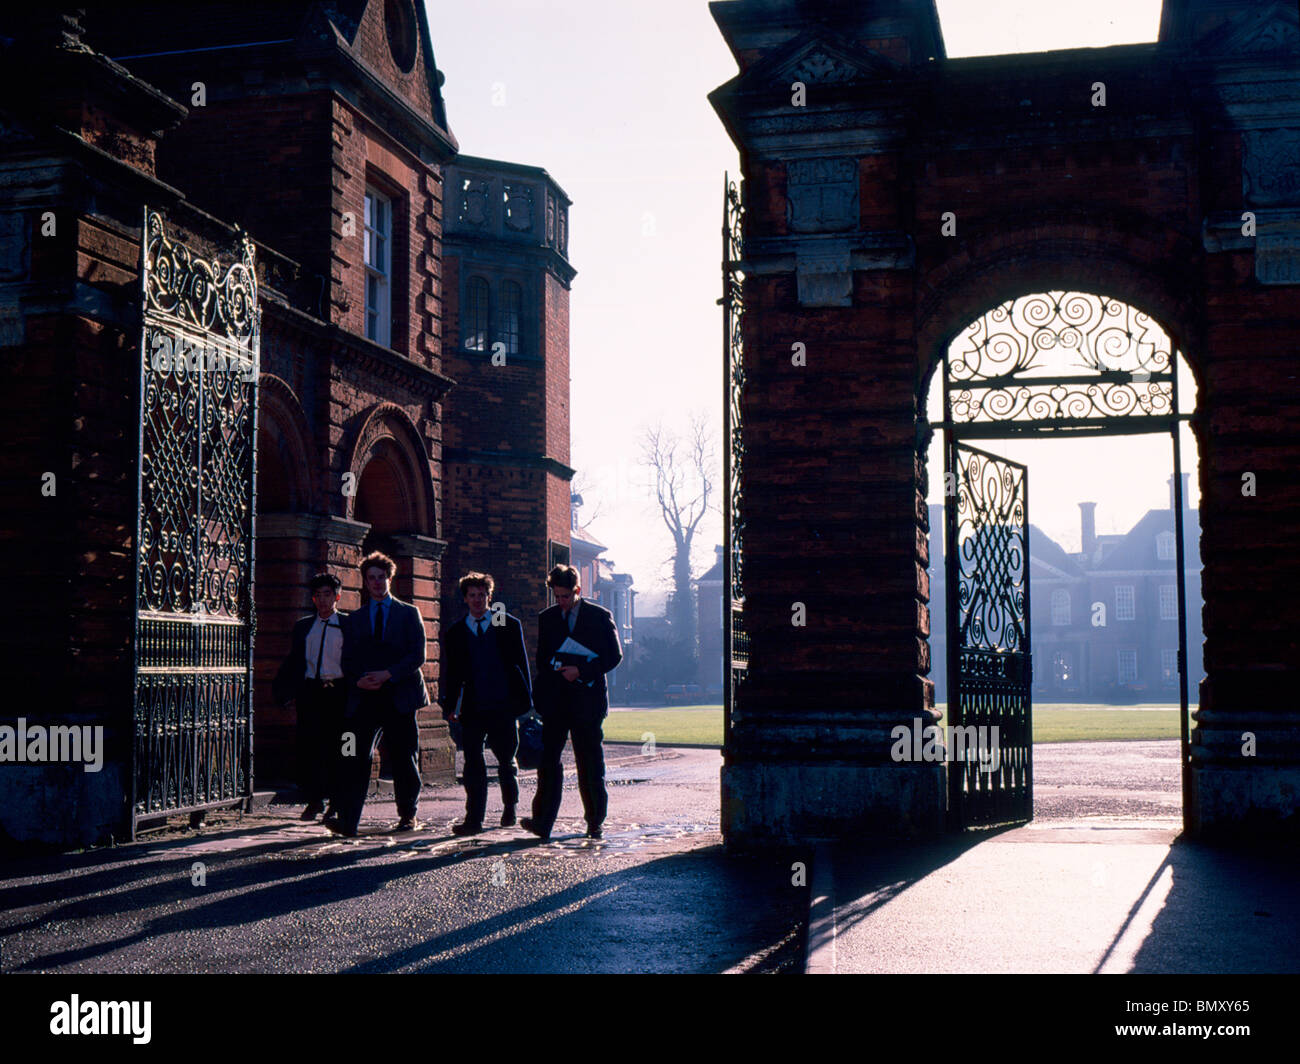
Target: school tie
{"points": [[479, 625], [321, 653], [379, 622], [568, 617]]}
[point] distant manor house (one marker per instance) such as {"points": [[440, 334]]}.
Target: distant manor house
{"points": [[1105, 622]]}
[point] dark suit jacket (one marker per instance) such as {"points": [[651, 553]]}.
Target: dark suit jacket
{"points": [[288, 680], [457, 671], [401, 652], [594, 629]]}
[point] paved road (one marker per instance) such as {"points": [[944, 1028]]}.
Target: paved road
{"points": [[1108, 781], [1085, 887], [1095, 883], [656, 895]]}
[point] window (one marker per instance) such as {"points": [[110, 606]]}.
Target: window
{"points": [[1169, 667], [378, 235], [1124, 602], [1168, 602], [1062, 667], [512, 303], [1060, 607], [476, 317], [1165, 547], [1128, 666]]}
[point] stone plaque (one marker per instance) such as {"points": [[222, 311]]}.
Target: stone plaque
{"points": [[824, 275], [519, 207], [1277, 258], [1270, 168], [822, 195]]}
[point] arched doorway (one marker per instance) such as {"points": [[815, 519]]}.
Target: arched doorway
{"points": [[1046, 366], [383, 499]]}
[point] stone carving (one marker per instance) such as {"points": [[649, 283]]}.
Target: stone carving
{"points": [[821, 68], [1270, 170], [1275, 37], [824, 274], [1275, 30], [1277, 257], [474, 210], [822, 195], [550, 219], [519, 208]]}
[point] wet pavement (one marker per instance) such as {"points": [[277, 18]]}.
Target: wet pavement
{"points": [[266, 892]]}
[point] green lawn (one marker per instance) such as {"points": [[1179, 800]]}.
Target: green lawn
{"points": [[702, 725]]}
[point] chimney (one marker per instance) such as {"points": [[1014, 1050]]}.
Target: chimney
{"points": [[1088, 527], [1186, 478]]}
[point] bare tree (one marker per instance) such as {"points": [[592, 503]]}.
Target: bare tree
{"points": [[583, 485], [683, 471]]}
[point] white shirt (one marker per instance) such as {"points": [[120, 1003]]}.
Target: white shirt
{"points": [[331, 663]]}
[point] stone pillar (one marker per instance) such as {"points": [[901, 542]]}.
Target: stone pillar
{"points": [[1246, 743], [834, 539]]}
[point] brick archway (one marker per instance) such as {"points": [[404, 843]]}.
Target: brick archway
{"points": [[1071, 254], [891, 196], [400, 493], [288, 469]]}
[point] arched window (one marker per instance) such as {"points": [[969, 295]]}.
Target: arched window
{"points": [[477, 315], [1060, 607], [512, 303]]}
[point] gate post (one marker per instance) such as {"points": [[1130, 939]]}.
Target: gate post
{"points": [[834, 551]]}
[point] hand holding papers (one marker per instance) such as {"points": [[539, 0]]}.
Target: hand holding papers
{"points": [[571, 652]]}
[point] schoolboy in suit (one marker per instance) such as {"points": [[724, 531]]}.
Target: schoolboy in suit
{"points": [[571, 698], [383, 654], [485, 685], [311, 680]]}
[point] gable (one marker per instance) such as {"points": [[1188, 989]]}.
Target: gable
{"points": [[816, 59], [391, 39], [1273, 31]]}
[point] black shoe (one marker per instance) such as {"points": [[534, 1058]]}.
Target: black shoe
{"points": [[408, 823], [466, 827], [530, 825], [595, 832], [508, 817], [313, 810], [338, 829]]}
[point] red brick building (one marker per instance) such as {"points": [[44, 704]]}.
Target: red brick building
{"points": [[506, 278], [319, 129]]}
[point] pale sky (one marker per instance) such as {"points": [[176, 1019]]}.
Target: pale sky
{"points": [[610, 97]]}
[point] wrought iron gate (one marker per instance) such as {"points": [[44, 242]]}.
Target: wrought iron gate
{"points": [[990, 668], [1048, 364], [194, 622], [734, 640]]}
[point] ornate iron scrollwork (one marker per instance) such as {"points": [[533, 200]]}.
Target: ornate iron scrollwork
{"points": [[1070, 358], [993, 566], [988, 570], [733, 305], [194, 544], [195, 291]]}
